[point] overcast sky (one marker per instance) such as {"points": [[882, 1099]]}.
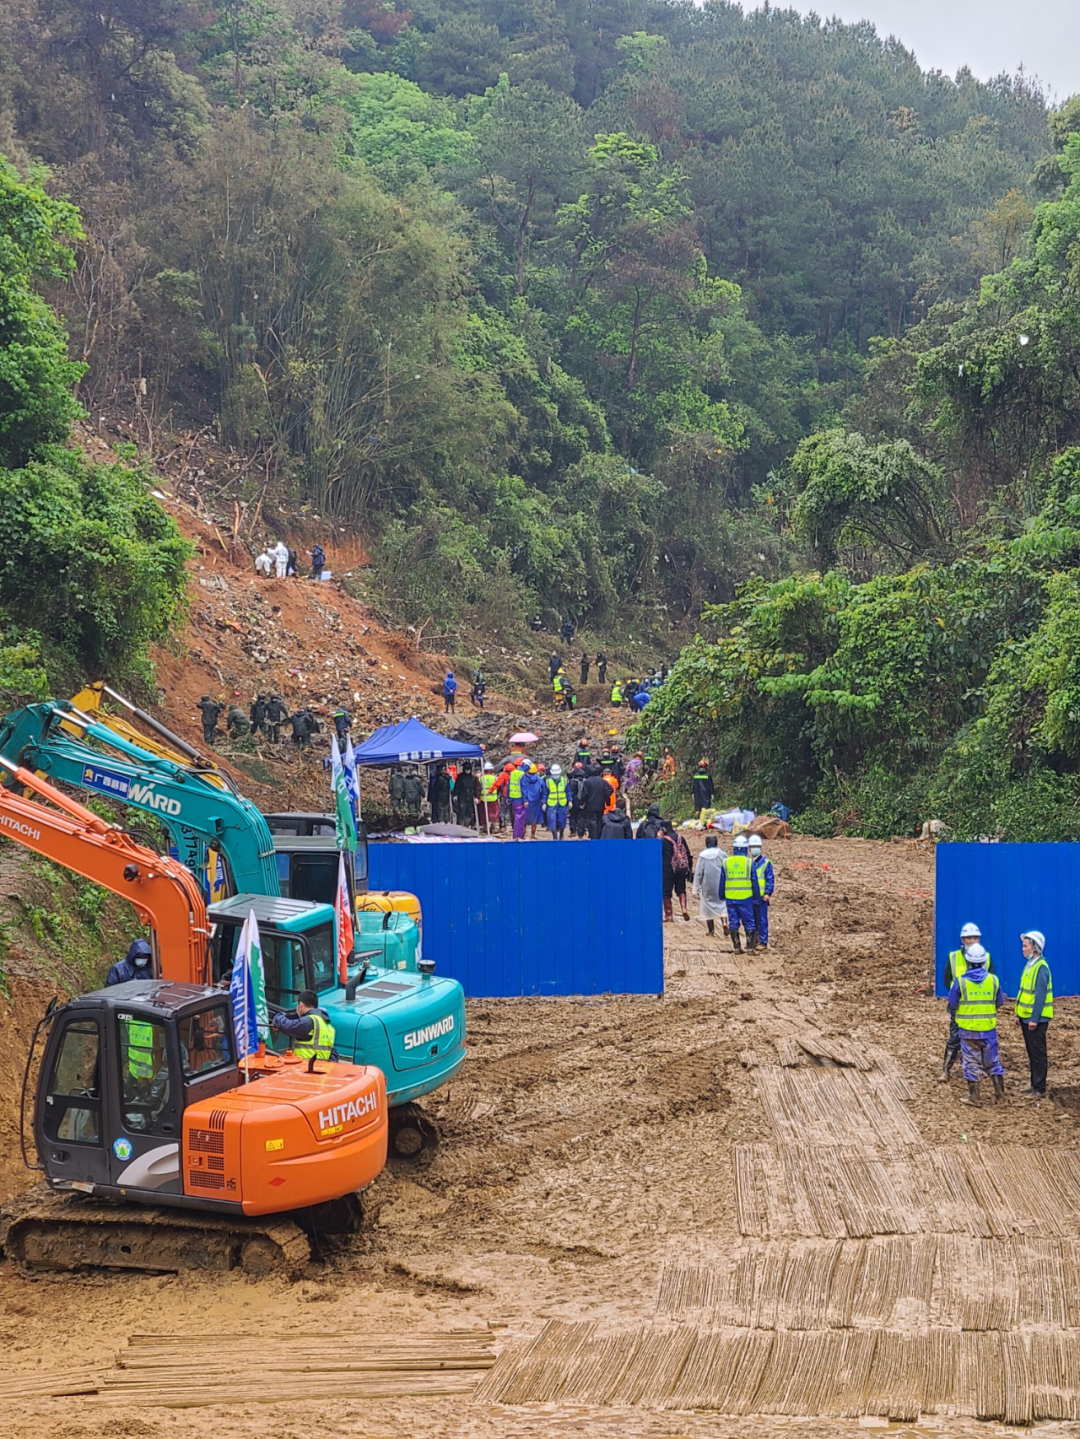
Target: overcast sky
{"points": [[989, 36]]}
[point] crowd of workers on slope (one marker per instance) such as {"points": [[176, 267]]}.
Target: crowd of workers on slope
{"points": [[976, 997], [280, 562], [635, 694], [266, 716]]}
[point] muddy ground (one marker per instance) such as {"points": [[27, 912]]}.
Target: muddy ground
{"points": [[586, 1144]]}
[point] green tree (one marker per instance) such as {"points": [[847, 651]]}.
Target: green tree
{"points": [[36, 377]]}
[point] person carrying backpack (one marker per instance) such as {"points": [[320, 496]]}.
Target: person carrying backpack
{"points": [[675, 859]]}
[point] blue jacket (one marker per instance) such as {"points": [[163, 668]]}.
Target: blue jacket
{"points": [[299, 1026], [765, 870], [449, 685], [126, 968], [532, 787]]}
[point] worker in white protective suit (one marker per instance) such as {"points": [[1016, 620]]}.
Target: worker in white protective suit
{"points": [[264, 564], [280, 556], [707, 877]]}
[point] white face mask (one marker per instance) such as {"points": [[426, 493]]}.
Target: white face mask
{"points": [[142, 960]]}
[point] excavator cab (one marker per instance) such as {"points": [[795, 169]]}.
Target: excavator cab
{"points": [[141, 1097]]}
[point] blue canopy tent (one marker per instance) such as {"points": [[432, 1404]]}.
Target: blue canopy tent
{"points": [[411, 742]]}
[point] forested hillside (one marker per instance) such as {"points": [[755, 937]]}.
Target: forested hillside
{"points": [[540, 293], [610, 309]]}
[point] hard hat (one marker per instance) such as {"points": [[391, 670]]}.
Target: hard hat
{"points": [[975, 955], [755, 841], [971, 931], [556, 770], [739, 841], [488, 766], [1036, 936]]}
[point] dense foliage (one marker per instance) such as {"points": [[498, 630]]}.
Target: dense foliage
{"points": [[541, 293], [91, 567], [950, 686]]}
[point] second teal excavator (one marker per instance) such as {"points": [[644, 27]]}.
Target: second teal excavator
{"points": [[420, 1047]]}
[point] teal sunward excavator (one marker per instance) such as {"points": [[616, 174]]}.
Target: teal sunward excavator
{"points": [[407, 1021]]}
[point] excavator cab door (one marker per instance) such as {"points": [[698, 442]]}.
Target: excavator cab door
{"points": [[69, 1123], [145, 1101]]}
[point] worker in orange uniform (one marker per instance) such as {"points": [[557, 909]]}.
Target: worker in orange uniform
{"points": [[611, 779]]}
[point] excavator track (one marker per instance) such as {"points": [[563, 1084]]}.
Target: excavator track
{"points": [[44, 1231]]}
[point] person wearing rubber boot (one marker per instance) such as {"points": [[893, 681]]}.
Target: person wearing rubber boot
{"points": [[739, 891], [955, 966], [766, 882], [1034, 1009], [975, 999]]}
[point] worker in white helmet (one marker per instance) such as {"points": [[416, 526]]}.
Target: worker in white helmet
{"points": [[955, 965], [975, 999], [1035, 1008], [766, 882]]}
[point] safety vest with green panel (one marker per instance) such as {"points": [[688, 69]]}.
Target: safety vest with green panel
{"points": [[513, 789], [700, 773], [958, 960], [140, 1043], [738, 878], [616, 694], [557, 683], [977, 1010], [321, 1040], [557, 792], [1025, 1000], [487, 788]]}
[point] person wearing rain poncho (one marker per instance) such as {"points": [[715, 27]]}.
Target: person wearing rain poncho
{"points": [[707, 876]]}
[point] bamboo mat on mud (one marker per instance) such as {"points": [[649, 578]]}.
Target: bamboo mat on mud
{"points": [[835, 1106], [951, 1281], [831, 1373], [847, 1192], [186, 1371]]}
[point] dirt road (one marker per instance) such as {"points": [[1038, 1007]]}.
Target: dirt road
{"points": [[691, 1165]]}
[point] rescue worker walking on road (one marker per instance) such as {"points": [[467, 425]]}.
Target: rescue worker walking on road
{"points": [[955, 966], [739, 889], [210, 711], [309, 1028], [766, 883], [1034, 1009], [708, 884], [975, 999]]}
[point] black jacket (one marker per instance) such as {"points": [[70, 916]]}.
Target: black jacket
{"points": [[703, 793], [617, 826], [595, 793]]}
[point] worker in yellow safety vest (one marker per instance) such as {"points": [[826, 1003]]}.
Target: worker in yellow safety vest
{"points": [[975, 998], [516, 796], [556, 801], [310, 1029], [739, 889], [616, 693], [955, 966], [1034, 1009], [489, 794]]}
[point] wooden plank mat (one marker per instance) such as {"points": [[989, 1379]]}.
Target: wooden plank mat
{"points": [[187, 1371]]}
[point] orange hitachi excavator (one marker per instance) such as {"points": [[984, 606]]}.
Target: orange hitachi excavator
{"points": [[140, 1095]]}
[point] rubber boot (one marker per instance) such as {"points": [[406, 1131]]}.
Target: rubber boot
{"points": [[685, 911], [999, 1087], [736, 942], [947, 1064], [668, 914], [710, 925], [972, 1096], [751, 940]]}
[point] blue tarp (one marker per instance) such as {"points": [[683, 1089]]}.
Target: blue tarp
{"points": [[410, 742]]}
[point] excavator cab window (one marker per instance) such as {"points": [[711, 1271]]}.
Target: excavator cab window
{"points": [[73, 1098], [144, 1071], [283, 965], [205, 1041]]}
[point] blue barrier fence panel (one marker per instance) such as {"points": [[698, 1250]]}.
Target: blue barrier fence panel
{"points": [[1006, 889], [543, 918]]}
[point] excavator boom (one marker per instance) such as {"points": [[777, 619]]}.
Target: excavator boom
{"points": [[165, 895]]}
